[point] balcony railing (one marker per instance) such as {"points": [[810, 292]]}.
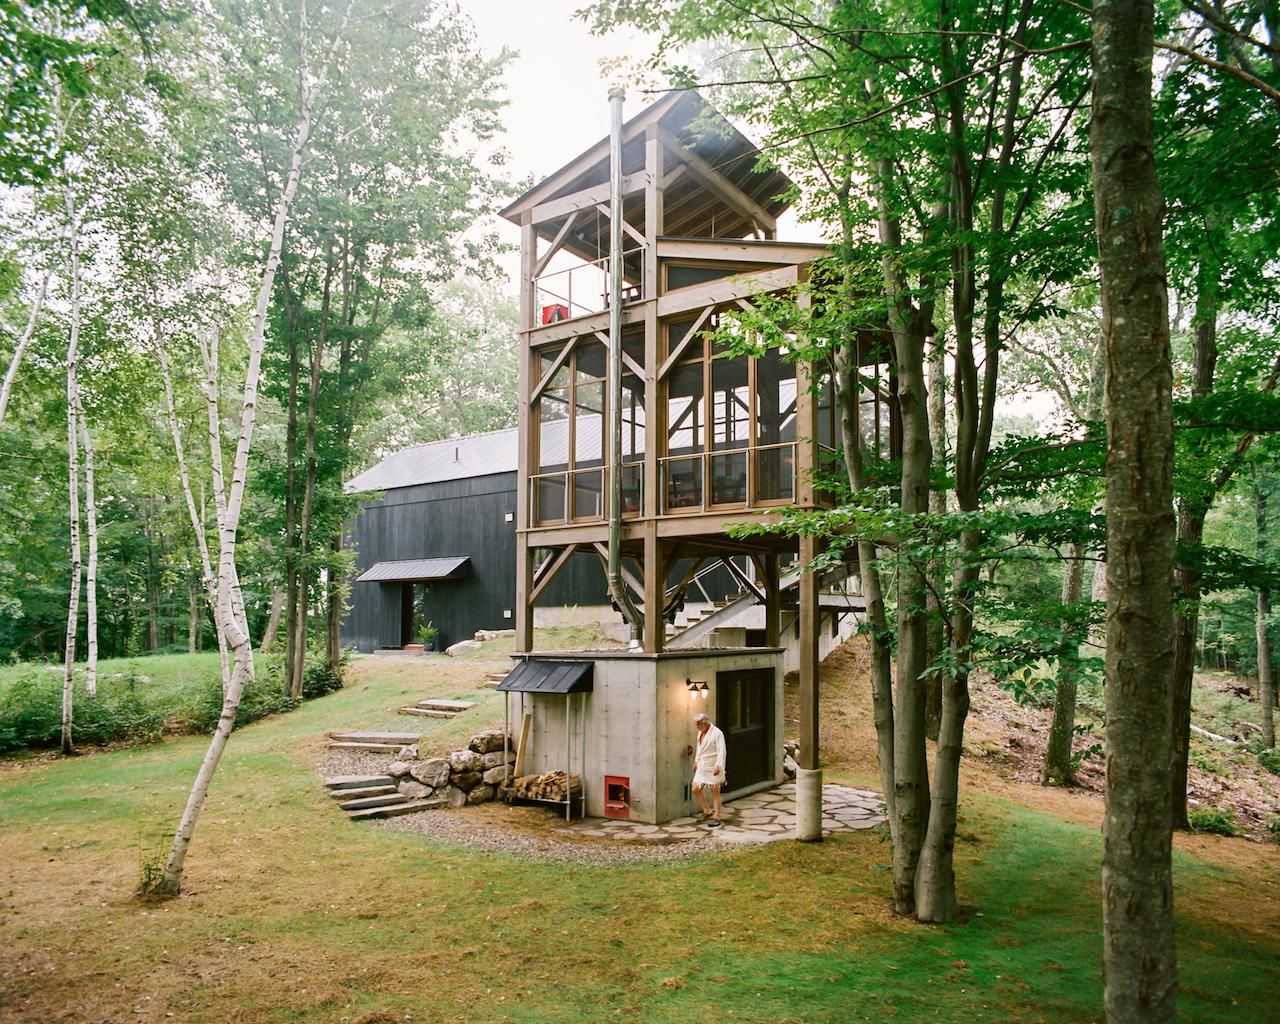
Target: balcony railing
{"points": [[740, 477], [566, 496]]}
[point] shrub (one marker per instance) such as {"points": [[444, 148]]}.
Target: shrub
{"points": [[262, 696], [1270, 760], [318, 680], [1220, 823], [31, 712]]}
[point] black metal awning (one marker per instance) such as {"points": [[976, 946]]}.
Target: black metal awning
{"points": [[406, 570], [562, 677]]}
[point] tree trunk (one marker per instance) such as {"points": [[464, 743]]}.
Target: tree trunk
{"points": [[73, 482], [1266, 671], [237, 637], [1139, 964], [273, 622], [291, 577], [153, 578], [938, 506], [24, 339], [334, 609], [91, 576], [194, 613], [1057, 769]]}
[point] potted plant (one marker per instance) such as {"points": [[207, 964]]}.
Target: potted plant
{"points": [[428, 636]]}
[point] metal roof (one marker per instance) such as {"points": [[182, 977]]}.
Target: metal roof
{"points": [[460, 458], [549, 677], [403, 569]]}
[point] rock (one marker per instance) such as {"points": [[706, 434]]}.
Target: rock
{"points": [[494, 758], [409, 753], [789, 766], [398, 769], [493, 634], [432, 772], [463, 647], [465, 761], [454, 795], [466, 780], [480, 795], [414, 790], [790, 747], [495, 775], [487, 742]]}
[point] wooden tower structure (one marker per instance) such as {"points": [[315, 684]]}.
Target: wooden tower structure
{"points": [[708, 440]]}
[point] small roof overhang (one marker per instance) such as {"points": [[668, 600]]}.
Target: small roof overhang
{"points": [[563, 677], [415, 570]]}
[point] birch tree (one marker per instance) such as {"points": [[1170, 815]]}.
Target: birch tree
{"points": [[91, 572], [73, 472], [311, 85]]}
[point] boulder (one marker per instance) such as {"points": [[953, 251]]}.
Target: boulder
{"points": [[413, 790], [494, 758], [495, 775], [433, 772], [465, 761], [493, 634], [454, 795], [488, 742], [399, 769], [789, 766], [466, 780], [409, 753], [480, 795], [463, 647]]}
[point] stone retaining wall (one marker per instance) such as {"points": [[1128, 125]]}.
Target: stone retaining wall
{"points": [[462, 777]]}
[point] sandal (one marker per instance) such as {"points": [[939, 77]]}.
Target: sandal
{"points": [[714, 823]]}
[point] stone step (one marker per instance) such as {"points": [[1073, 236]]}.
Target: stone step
{"points": [[355, 794], [392, 810], [497, 677], [358, 781], [364, 803], [379, 748], [447, 705], [427, 713], [492, 684], [356, 736]]}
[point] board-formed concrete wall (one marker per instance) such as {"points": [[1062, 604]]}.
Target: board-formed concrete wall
{"points": [[638, 722]]}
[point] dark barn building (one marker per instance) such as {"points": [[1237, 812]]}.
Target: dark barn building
{"points": [[438, 545]]}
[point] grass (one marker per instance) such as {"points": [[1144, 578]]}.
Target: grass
{"points": [[293, 914], [172, 678]]}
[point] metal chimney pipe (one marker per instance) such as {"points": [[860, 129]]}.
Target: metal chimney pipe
{"points": [[617, 590]]}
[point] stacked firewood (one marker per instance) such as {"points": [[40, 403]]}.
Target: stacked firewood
{"points": [[544, 786]]}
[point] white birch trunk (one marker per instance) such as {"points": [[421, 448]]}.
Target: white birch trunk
{"points": [[24, 339], [73, 481], [229, 520], [91, 575]]}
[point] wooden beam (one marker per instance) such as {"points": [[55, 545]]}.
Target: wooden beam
{"points": [[715, 293], [733, 197], [685, 342], [627, 575], [553, 369], [574, 202], [549, 570], [639, 238], [741, 577], [558, 241], [808, 754], [735, 250], [655, 625]]}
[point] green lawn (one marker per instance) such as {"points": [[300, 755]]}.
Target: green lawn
{"points": [[292, 913], [170, 677]]}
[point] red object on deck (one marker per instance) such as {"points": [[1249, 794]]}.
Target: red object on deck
{"points": [[617, 796], [553, 314]]}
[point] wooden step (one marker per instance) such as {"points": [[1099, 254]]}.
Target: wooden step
{"points": [[392, 810], [356, 736], [355, 794], [358, 781], [377, 748], [364, 803], [447, 705], [427, 713]]}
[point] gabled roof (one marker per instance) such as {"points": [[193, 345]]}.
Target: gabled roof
{"points": [[695, 125], [457, 458], [404, 569]]}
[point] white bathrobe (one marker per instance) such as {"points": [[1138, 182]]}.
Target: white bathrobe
{"points": [[709, 756]]}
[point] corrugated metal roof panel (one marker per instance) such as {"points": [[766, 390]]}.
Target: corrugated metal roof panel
{"points": [[549, 677], [404, 569]]}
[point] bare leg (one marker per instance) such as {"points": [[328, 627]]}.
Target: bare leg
{"points": [[702, 801], [715, 796]]}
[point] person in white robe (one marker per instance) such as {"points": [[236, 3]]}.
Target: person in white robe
{"points": [[708, 772]]}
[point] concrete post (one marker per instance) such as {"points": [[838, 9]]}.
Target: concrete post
{"points": [[809, 805]]}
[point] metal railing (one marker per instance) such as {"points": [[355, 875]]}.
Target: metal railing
{"points": [[737, 477], [563, 496], [591, 295]]}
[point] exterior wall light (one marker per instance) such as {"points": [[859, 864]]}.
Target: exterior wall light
{"points": [[698, 687]]}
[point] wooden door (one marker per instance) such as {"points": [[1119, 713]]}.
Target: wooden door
{"points": [[744, 713]]}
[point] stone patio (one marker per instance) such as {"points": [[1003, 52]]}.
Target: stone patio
{"points": [[759, 818]]}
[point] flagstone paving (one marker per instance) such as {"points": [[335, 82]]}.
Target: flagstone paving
{"points": [[759, 818]]}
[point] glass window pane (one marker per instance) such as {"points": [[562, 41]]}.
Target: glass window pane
{"points": [[588, 435], [633, 488], [730, 403], [675, 333], [775, 399], [553, 429], [588, 494], [684, 483], [590, 357], [633, 440], [776, 473], [729, 478], [549, 499], [686, 413]]}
